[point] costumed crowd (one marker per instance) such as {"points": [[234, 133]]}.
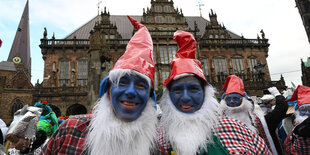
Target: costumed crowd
{"points": [[187, 120]]}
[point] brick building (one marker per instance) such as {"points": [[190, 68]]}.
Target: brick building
{"points": [[74, 66], [16, 89]]}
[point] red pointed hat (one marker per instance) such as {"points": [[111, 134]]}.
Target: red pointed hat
{"points": [[301, 94], [185, 60], [233, 84], [139, 52]]}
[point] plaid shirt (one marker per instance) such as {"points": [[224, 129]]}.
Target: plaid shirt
{"points": [[233, 135], [69, 138], [261, 131], [295, 144]]}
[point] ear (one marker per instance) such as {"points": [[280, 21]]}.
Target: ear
{"points": [[104, 85]]}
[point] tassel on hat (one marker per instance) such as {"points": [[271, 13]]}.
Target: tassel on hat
{"points": [[185, 60], [233, 84], [301, 94]]}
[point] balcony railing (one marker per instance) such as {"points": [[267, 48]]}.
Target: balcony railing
{"points": [[234, 42]]}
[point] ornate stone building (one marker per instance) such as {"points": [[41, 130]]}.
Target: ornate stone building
{"points": [[74, 66], [15, 77]]}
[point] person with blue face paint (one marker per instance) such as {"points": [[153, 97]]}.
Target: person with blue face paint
{"points": [[129, 97], [187, 94], [235, 104], [298, 140], [191, 123], [124, 119]]}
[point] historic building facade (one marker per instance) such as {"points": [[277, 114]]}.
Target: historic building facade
{"points": [[74, 66], [16, 89]]}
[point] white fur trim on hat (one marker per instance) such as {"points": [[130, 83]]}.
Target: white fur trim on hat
{"points": [[117, 74]]}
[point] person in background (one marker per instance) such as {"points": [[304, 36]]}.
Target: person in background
{"points": [[235, 103], [297, 142], [191, 122], [124, 118], [21, 134]]}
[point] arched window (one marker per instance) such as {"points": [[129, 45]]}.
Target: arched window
{"points": [[82, 72], [64, 72], [237, 64], [252, 61], [17, 104], [220, 65]]}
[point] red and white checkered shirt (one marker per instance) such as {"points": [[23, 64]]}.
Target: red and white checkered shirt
{"points": [[69, 138], [295, 144], [233, 135]]}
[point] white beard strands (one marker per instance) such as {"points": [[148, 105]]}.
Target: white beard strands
{"points": [[241, 113], [188, 133], [112, 136]]}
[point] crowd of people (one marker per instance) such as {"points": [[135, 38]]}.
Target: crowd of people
{"points": [[188, 119]]}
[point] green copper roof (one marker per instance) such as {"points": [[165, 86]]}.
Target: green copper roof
{"points": [[307, 63]]}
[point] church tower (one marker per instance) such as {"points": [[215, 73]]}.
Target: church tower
{"points": [[20, 51], [16, 89]]}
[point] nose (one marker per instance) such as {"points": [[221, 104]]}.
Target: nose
{"points": [[185, 97], [130, 91]]}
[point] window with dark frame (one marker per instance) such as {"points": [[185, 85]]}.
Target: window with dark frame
{"points": [[64, 73], [82, 72]]}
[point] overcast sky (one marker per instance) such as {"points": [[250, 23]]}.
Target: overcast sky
{"points": [[279, 19]]}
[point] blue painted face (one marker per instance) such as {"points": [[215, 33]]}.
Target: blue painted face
{"points": [[130, 97], [187, 94], [233, 99], [304, 110]]}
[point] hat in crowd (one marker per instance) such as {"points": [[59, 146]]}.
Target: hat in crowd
{"points": [[138, 55], [233, 84], [24, 123], [301, 94], [267, 97], [185, 60], [46, 127], [139, 52]]}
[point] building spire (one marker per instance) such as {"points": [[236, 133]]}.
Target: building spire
{"points": [[21, 43]]}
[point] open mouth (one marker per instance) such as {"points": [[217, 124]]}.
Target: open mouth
{"points": [[185, 107], [129, 104]]}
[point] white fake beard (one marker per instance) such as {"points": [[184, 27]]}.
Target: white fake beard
{"points": [[188, 133], [298, 118], [240, 113], [112, 136]]}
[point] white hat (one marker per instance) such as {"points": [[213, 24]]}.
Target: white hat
{"points": [[267, 97]]}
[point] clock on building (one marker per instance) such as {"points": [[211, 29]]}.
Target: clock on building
{"points": [[17, 60]]}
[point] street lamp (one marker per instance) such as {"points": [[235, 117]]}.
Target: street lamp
{"points": [[260, 68]]}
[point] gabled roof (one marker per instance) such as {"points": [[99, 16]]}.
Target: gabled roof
{"points": [[21, 43], [7, 66], [125, 28]]}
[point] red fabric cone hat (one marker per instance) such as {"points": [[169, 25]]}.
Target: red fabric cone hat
{"points": [[301, 94], [233, 84], [185, 60], [139, 52]]}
